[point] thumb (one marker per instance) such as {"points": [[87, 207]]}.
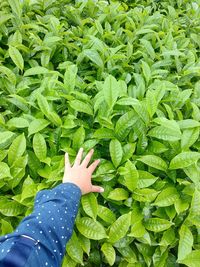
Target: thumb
{"points": [[97, 189]]}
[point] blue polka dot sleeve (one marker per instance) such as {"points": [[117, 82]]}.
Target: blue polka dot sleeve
{"points": [[50, 224]]}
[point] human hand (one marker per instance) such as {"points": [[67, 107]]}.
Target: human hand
{"points": [[80, 174]]}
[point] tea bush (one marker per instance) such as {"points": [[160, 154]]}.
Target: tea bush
{"points": [[120, 77]]}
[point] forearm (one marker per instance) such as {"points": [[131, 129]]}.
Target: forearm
{"points": [[51, 223]]}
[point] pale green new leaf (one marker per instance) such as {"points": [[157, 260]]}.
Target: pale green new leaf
{"points": [[9, 74], [17, 149], [164, 133], [116, 152], [37, 125], [106, 214], [154, 161], [124, 124], [185, 242], [36, 71], [192, 259], [157, 225], [74, 249], [39, 146], [70, 77], [94, 56], [146, 179], [78, 138], [4, 170], [111, 91], [109, 253], [91, 229], [184, 159], [16, 57], [81, 107], [18, 123], [90, 205], [119, 228], [167, 197], [118, 194]]}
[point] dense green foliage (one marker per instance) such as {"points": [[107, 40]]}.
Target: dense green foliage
{"points": [[120, 77]]}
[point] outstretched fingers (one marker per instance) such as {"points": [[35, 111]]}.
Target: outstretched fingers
{"points": [[87, 158], [78, 157], [93, 166]]}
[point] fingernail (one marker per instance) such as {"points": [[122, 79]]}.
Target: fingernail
{"points": [[101, 190]]}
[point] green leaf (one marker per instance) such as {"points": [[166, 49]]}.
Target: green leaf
{"points": [[5, 138], [154, 161], [39, 146], [18, 123], [116, 152], [78, 138], [119, 228], [106, 214], [43, 104], [4, 170], [118, 194], [16, 57], [103, 133], [90, 205], [91, 229], [145, 194], [37, 125], [146, 179], [74, 249], [110, 91], [9, 74], [109, 253], [130, 174], [36, 71], [16, 7], [146, 71], [11, 208], [157, 225], [185, 242], [192, 259], [165, 133], [70, 77], [167, 197], [17, 149], [147, 45], [189, 137], [94, 56], [81, 107], [6, 227], [85, 244], [184, 159], [124, 124]]}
